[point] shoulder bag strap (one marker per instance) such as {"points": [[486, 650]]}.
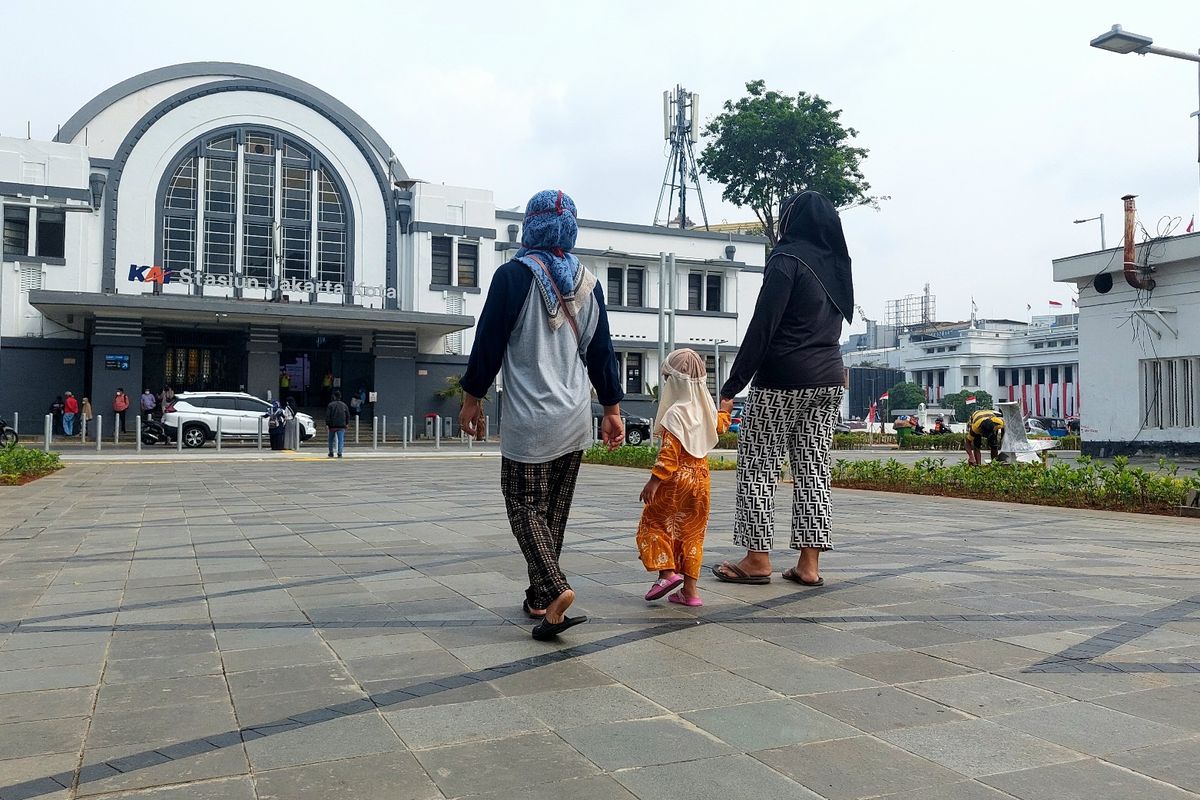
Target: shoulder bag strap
{"points": [[565, 309]]}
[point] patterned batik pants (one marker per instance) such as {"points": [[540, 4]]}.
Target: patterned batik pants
{"points": [[538, 499], [798, 422]]}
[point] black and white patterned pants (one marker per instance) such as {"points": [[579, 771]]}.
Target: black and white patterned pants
{"points": [[538, 498], [798, 422]]}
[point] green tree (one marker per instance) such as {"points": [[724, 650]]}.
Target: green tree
{"points": [[958, 401], [767, 146], [453, 389], [905, 395]]}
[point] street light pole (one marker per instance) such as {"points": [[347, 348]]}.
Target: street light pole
{"points": [[1119, 40], [1103, 246]]}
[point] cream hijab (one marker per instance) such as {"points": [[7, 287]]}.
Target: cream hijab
{"points": [[685, 408]]}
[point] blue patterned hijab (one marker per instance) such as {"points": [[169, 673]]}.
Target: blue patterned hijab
{"points": [[548, 235]]}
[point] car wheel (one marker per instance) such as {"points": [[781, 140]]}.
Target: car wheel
{"points": [[194, 436], [633, 437]]}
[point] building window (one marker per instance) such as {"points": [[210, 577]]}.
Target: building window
{"points": [[1054, 374], [1038, 345], [1029, 376], [633, 373], [710, 365], [1041, 376], [1001, 376], [1015, 376], [626, 286], [1169, 398], [51, 233], [468, 264], [712, 294], [16, 232], [616, 286], [704, 291], [1069, 373], [287, 199], [442, 247]]}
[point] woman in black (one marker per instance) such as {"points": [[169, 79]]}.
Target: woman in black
{"points": [[791, 350]]}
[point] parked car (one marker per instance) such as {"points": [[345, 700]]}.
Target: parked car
{"points": [[637, 429], [735, 418], [240, 415], [1048, 426]]}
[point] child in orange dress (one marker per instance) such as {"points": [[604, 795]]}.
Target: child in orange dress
{"points": [[670, 536]]}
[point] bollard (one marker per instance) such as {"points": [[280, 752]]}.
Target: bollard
{"points": [[49, 430], [99, 431], [487, 427], [356, 430], [375, 433], [260, 420], [137, 432], [218, 434], [406, 434], [595, 430], [116, 428], [179, 437], [383, 431], [437, 433], [17, 421]]}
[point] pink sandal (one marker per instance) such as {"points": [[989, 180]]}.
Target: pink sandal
{"points": [[664, 586], [685, 601]]}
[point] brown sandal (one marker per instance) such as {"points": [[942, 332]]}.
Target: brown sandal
{"points": [[790, 574], [738, 575]]}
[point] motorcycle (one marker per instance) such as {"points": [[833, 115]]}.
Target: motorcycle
{"points": [[8, 436], [154, 432]]}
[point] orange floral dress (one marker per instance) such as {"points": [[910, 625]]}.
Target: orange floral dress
{"points": [[671, 532]]}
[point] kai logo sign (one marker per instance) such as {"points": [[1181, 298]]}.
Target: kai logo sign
{"points": [[188, 277]]}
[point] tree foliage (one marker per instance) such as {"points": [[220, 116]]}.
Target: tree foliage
{"points": [[958, 401], [905, 395], [767, 146]]}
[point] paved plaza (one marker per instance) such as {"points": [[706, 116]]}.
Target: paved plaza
{"points": [[296, 628]]}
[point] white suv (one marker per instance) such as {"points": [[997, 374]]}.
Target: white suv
{"points": [[239, 413]]}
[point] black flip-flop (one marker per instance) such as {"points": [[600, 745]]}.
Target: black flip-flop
{"points": [[739, 575], [546, 630], [529, 610], [790, 574]]}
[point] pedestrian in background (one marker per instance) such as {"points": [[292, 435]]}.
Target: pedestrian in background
{"points": [[56, 411], [148, 402], [86, 417], [337, 417], [70, 412], [120, 406]]}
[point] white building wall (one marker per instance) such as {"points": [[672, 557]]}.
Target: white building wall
{"points": [[1117, 341]]}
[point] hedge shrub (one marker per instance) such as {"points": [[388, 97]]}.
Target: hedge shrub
{"points": [[641, 457], [21, 464], [1086, 484]]}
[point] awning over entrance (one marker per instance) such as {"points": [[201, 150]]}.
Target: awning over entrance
{"points": [[165, 309]]}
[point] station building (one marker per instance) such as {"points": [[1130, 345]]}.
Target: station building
{"points": [[217, 226]]}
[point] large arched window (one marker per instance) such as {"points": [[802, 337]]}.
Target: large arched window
{"points": [[256, 203]]}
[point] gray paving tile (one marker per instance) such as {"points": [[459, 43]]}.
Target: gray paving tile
{"points": [[702, 690], [761, 726], [42, 678], [881, 709], [51, 704], [854, 768], [986, 654], [984, 695], [967, 790], [394, 775], [902, 667], [1178, 706], [166, 724], [557, 676], [147, 764], [343, 737], [1177, 763], [46, 777], [504, 765], [229, 789], [587, 706], [978, 747], [1090, 728], [41, 737], [178, 666], [300, 678], [39, 657], [173, 692], [422, 728], [826, 643], [641, 743], [1082, 780], [714, 779], [813, 678]]}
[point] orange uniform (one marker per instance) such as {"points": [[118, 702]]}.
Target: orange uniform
{"points": [[671, 532]]}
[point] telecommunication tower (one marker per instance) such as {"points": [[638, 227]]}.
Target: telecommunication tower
{"points": [[681, 128]]}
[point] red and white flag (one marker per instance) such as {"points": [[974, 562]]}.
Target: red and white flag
{"points": [[1191, 225], [1055, 304], [871, 414], [971, 400], [883, 396]]}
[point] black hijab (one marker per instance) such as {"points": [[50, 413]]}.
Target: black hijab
{"points": [[811, 231]]}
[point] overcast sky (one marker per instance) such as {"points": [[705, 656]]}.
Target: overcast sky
{"points": [[991, 131]]}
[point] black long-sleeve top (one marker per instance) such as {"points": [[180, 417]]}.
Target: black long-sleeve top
{"points": [[792, 341]]}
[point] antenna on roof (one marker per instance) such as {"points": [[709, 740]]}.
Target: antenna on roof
{"points": [[681, 127]]}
